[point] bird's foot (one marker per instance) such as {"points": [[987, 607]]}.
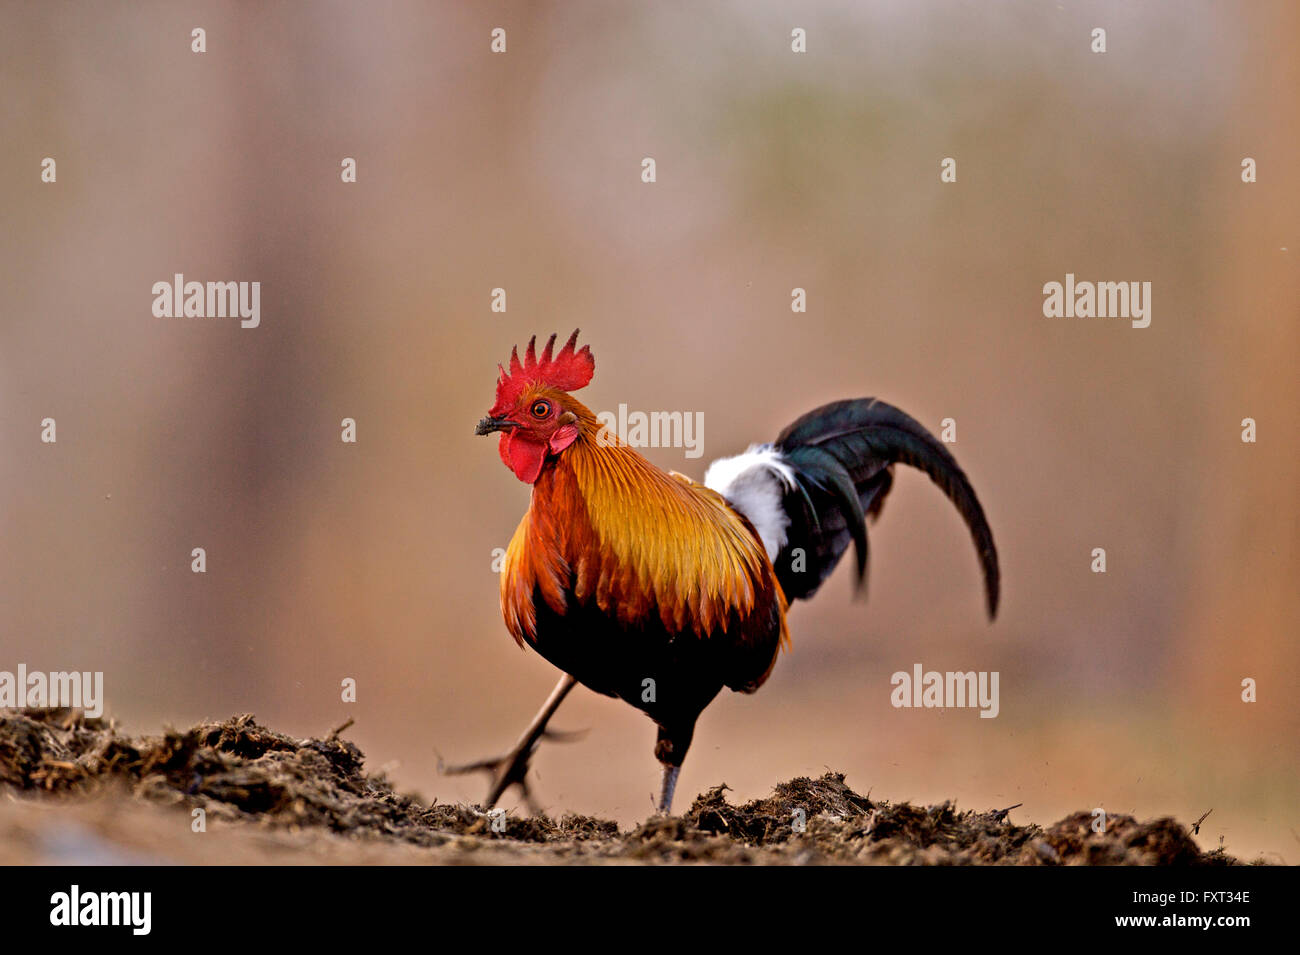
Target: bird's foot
{"points": [[512, 768]]}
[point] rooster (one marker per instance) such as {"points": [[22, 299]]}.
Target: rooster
{"points": [[644, 585]]}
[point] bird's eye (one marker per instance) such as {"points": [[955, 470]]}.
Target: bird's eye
{"points": [[541, 409]]}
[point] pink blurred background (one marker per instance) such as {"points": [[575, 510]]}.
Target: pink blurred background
{"points": [[475, 171]]}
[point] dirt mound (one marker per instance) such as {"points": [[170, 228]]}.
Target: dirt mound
{"points": [[242, 773]]}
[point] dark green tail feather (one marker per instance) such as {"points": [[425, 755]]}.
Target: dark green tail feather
{"points": [[841, 453]]}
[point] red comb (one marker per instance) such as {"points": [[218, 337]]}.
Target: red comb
{"points": [[568, 371]]}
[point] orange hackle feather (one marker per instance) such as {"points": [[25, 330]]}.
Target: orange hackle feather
{"points": [[607, 526]]}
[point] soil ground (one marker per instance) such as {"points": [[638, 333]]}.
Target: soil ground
{"points": [[76, 790]]}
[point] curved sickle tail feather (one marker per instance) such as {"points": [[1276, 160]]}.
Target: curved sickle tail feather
{"points": [[839, 460]]}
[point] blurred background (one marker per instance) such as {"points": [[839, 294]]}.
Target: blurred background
{"points": [[522, 171]]}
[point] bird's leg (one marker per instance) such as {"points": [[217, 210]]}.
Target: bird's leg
{"points": [[666, 791], [512, 768], [670, 750]]}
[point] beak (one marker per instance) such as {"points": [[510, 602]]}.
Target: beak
{"points": [[490, 424]]}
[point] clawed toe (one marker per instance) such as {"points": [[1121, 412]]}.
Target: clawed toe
{"points": [[511, 769]]}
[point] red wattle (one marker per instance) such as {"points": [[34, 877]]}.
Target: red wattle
{"points": [[523, 455]]}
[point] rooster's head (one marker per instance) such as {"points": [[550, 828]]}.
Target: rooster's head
{"points": [[534, 412]]}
